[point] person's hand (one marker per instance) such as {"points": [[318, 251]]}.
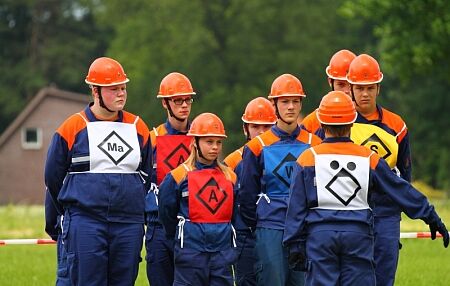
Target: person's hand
{"points": [[439, 226], [297, 259]]}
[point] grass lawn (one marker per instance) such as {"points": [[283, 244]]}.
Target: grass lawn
{"points": [[422, 261]]}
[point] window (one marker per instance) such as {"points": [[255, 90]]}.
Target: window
{"points": [[31, 138]]}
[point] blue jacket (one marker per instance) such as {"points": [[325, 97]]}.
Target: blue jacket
{"points": [[115, 197], [389, 137], [342, 203], [267, 166]]}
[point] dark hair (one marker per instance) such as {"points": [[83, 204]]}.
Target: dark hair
{"points": [[337, 130]]}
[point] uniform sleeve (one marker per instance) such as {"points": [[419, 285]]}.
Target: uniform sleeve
{"points": [[169, 204], [410, 200], [297, 209], [404, 158], [249, 186], [56, 167], [51, 217]]}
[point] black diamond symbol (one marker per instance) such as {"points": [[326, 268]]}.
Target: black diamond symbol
{"points": [[374, 138], [211, 196], [179, 154], [112, 147], [342, 174], [287, 164]]}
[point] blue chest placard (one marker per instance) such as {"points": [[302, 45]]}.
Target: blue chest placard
{"points": [[279, 161]]}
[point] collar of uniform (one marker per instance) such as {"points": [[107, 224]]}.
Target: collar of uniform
{"points": [[91, 116], [362, 119], [200, 166], [173, 131], [283, 135], [336, 139]]}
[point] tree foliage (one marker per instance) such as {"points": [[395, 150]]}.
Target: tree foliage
{"points": [[414, 40], [43, 43], [232, 50]]}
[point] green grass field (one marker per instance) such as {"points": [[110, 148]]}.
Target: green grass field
{"points": [[422, 261]]}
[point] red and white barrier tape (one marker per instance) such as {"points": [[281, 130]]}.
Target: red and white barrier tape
{"points": [[49, 241], [418, 235], [26, 241]]}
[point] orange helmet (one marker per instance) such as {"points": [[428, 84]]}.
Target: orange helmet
{"points": [[259, 111], [286, 85], [207, 124], [106, 72], [339, 63], [336, 108], [364, 70], [175, 84]]}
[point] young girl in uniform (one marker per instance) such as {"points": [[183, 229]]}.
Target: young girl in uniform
{"points": [[196, 207]]}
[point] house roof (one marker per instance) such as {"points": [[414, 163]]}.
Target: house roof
{"points": [[31, 106]]}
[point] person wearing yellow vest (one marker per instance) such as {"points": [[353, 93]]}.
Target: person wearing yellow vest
{"points": [[196, 205], [267, 166], [385, 133], [336, 71], [171, 147], [259, 116], [330, 201]]}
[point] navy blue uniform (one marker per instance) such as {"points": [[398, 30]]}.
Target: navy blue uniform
{"points": [[330, 202]]}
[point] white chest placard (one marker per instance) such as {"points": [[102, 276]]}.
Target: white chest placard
{"points": [[113, 147], [342, 181]]}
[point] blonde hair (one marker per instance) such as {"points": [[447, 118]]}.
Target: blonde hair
{"points": [[190, 162]]}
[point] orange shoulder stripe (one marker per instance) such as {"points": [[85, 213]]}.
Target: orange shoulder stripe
{"points": [[179, 173], [234, 158], [396, 123], [71, 127], [308, 138], [374, 158], [265, 139], [306, 159], [233, 177], [158, 131], [311, 123], [342, 148], [141, 127]]}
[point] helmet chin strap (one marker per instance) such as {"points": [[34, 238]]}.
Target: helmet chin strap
{"points": [[199, 151], [171, 112], [246, 131], [100, 97], [353, 95]]}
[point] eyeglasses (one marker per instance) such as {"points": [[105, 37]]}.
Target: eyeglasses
{"points": [[179, 101]]}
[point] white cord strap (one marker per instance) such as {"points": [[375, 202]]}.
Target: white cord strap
{"points": [[265, 196]]}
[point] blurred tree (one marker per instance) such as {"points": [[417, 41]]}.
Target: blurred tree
{"points": [[231, 50], [414, 41], [44, 42]]}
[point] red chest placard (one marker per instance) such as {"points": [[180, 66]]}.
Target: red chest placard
{"points": [[171, 151], [210, 196]]}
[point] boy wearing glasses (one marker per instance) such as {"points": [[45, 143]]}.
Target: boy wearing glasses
{"points": [[171, 147]]}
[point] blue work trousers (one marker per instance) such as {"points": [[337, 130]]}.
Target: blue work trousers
{"points": [[343, 258], [272, 267], [160, 265], [101, 253], [62, 278], [386, 252], [245, 265], [196, 268]]}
